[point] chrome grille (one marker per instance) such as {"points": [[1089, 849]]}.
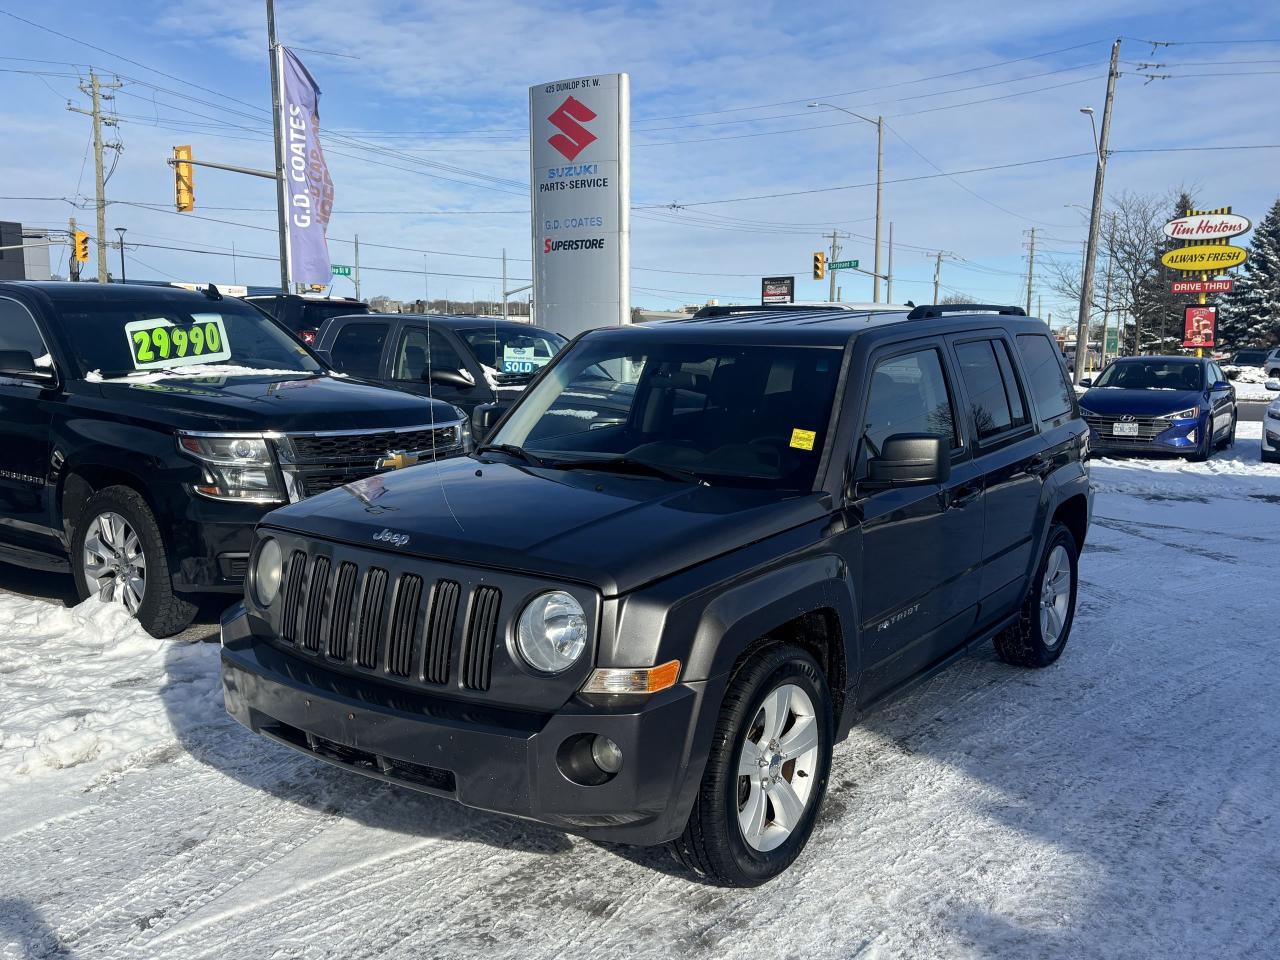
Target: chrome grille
{"points": [[341, 447]]}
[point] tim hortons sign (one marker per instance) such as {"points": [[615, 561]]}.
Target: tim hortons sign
{"points": [[1207, 226]]}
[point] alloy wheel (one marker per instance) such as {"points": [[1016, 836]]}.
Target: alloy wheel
{"points": [[1055, 595], [777, 767], [115, 568]]}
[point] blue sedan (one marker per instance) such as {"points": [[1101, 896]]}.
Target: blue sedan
{"points": [[1178, 405]]}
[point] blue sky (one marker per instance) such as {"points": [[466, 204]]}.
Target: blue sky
{"points": [[427, 112]]}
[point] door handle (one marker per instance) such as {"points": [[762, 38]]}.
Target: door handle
{"points": [[963, 496], [1040, 465]]}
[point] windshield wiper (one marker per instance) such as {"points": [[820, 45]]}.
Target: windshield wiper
{"points": [[520, 453], [632, 465]]}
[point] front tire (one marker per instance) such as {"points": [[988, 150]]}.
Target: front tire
{"points": [[118, 555], [1204, 450], [1044, 624], [766, 774]]}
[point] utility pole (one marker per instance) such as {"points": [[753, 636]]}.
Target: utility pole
{"points": [[937, 275], [73, 265], [282, 201], [504, 283], [1031, 269], [888, 295], [426, 286], [357, 267], [831, 274], [94, 90], [1095, 215], [875, 295]]}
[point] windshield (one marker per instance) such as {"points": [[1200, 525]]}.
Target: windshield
{"points": [[727, 414], [315, 312], [512, 353], [1152, 375], [159, 337]]}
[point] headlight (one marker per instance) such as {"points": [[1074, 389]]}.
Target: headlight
{"points": [[464, 430], [1273, 414], [266, 572], [236, 466], [552, 632], [1188, 414]]}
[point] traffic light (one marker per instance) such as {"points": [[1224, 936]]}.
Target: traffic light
{"points": [[81, 240], [819, 265], [183, 182]]}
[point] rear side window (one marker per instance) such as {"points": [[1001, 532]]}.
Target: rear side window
{"points": [[908, 395], [1045, 377], [18, 331], [997, 405], [357, 349]]}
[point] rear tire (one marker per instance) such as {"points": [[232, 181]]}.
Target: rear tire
{"points": [[766, 774], [1044, 624], [116, 530]]}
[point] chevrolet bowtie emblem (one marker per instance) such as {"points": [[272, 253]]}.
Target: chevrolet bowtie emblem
{"points": [[397, 460]]}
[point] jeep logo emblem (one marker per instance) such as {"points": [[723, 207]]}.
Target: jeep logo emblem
{"points": [[391, 537]]}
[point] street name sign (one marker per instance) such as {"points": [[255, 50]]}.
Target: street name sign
{"points": [[341, 270], [843, 265]]}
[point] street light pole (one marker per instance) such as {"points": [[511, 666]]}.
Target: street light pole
{"points": [[879, 125], [1095, 214], [120, 232]]}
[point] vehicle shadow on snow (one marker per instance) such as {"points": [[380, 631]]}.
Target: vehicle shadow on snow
{"points": [[22, 924], [264, 765]]}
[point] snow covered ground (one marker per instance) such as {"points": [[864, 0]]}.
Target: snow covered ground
{"points": [[1120, 803]]}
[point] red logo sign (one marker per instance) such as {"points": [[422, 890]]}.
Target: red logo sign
{"points": [[573, 137], [1203, 286], [1200, 324]]}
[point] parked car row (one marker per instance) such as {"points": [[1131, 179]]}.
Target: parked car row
{"points": [[146, 430]]}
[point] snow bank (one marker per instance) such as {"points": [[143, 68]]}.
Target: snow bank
{"points": [[88, 686], [1250, 383]]}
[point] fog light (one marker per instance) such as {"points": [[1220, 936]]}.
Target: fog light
{"points": [[1192, 436], [606, 754]]}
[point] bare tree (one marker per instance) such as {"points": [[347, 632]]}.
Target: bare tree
{"points": [[958, 297], [1131, 242]]}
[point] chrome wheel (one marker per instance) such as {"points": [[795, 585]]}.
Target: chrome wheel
{"points": [[777, 766], [114, 566], [1055, 595]]}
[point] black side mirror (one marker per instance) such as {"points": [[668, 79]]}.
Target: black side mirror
{"points": [[22, 365], [910, 459], [483, 417], [1086, 381], [452, 378]]}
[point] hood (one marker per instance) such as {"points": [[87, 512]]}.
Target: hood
{"points": [[260, 403], [613, 532], [1140, 403]]}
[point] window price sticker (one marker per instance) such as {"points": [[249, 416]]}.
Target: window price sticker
{"points": [[160, 344], [522, 360], [803, 439]]}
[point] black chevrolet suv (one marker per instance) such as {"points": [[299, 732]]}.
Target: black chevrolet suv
{"points": [[654, 627], [144, 431]]}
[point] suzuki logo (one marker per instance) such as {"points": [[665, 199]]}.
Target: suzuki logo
{"points": [[573, 137]]}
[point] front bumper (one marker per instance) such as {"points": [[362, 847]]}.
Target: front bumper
{"points": [[1270, 435], [492, 758], [1180, 437]]}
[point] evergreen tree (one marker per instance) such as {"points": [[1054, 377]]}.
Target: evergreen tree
{"points": [[1250, 314]]}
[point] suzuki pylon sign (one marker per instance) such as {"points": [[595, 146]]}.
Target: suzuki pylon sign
{"points": [[580, 183]]}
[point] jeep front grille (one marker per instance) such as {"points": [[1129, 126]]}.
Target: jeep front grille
{"points": [[482, 628], [378, 622]]}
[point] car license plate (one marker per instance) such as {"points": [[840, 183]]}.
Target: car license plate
{"points": [[1124, 429]]}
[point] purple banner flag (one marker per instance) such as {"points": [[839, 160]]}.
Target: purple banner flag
{"points": [[308, 186]]}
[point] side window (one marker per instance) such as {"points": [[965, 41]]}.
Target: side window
{"points": [[18, 331], [1045, 376], [357, 349], [417, 350], [1012, 388], [997, 406], [908, 395]]}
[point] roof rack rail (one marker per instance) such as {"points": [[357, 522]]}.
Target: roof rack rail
{"points": [[930, 311], [732, 309]]}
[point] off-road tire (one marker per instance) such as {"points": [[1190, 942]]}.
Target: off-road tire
{"points": [[162, 612], [1023, 644], [712, 844]]}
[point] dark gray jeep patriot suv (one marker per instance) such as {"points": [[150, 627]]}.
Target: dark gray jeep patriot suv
{"points": [[690, 557]]}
